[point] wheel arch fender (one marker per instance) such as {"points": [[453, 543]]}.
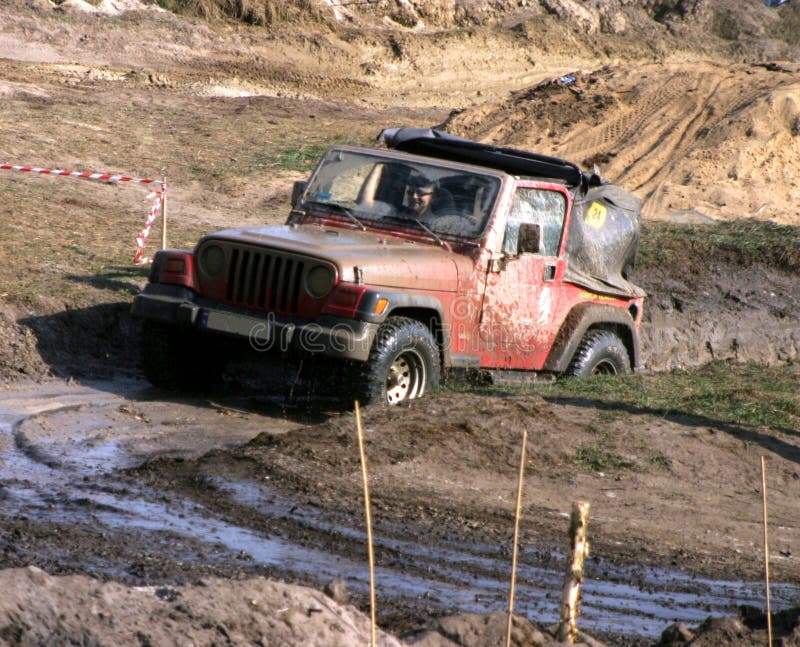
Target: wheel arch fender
{"points": [[581, 319], [403, 364], [429, 311]]}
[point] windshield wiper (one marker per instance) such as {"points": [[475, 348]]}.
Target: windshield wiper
{"points": [[430, 231], [421, 225], [333, 206]]}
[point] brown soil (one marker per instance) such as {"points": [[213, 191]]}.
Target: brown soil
{"points": [[711, 139], [694, 107]]}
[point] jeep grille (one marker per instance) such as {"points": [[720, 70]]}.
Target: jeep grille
{"points": [[265, 279]]}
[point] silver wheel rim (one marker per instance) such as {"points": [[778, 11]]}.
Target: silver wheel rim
{"points": [[605, 367], [407, 377]]}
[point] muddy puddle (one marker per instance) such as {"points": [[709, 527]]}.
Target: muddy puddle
{"points": [[60, 447]]}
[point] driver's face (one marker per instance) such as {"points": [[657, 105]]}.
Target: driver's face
{"points": [[421, 199]]}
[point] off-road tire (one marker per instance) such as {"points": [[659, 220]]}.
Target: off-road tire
{"points": [[403, 365], [601, 352], [179, 359]]}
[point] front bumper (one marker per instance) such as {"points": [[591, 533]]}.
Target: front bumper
{"points": [[326, 335]]}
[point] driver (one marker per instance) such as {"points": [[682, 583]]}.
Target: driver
{"points": [[421, 194]]}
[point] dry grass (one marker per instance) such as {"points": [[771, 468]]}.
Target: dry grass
{"points": [[74, 244], [69, 243], [254, 12], [436, 13]]}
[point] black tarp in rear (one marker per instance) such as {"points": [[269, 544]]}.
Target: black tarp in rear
{"points": [[602, 240]]}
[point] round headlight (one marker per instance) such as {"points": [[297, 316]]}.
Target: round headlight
{"points": [[319, 281], [212, 260]]}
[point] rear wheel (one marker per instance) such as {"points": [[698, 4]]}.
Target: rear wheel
{"points": [[403, 365], [179, 359], [601, 352]]}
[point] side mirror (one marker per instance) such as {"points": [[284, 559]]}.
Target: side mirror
{"points": [[298, 189], [530, 238]]}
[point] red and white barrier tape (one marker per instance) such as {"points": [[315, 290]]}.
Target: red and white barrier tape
{"points": [[89, 176], [156, 196]]}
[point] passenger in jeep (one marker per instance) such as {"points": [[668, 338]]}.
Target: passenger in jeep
{"points": [[421, 193], [426, 198]]}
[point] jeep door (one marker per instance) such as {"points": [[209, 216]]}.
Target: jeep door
{"points": [[520, 313]]}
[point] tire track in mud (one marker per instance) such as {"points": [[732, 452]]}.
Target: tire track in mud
{"points": [[63, 472], [637, 115], [649, 173], [660, 130], [455, 574], [24, 458], [672, 138]]}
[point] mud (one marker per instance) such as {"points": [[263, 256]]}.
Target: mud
{"points": [[106, 480]]}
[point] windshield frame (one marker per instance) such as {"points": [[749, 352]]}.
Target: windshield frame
{"points": [[486, 184]]}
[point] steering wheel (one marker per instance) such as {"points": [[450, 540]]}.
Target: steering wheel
{"points": [[379, 208], [452, 222]]}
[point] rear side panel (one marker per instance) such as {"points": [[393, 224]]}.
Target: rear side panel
{"points": [[585, 310]]}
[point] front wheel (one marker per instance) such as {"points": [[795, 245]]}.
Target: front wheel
{"points": [[403, 364], [601, 352]]}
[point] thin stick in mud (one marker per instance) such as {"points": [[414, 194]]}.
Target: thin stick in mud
{"points": [[512, 585], [368, 515], [164, 213], [571, 592], [766, 548]]}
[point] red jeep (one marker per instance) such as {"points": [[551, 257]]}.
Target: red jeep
{"points": [[428, 254]]}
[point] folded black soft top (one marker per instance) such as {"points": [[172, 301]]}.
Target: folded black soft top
{"points": [[435, 143]]}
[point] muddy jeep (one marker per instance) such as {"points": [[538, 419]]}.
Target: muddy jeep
{"points": [[404, 262]]}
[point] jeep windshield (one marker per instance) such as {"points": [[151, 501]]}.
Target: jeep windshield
{"points": [[375, 189]]}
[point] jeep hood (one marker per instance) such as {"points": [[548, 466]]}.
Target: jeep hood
{"points": [[381, 260]]}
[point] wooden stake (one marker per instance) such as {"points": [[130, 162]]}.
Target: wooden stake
{"points": [[516, 538], [370, 551], [571, 592], [766, 549], [164, 213]]}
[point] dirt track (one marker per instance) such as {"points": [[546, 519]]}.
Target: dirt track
{"points": [[113, 480], [288, 503]]}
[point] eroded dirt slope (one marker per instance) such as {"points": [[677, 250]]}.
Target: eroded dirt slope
{"points": [[716, 140]]}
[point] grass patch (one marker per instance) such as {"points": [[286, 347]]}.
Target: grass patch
{"points": [[599, 458], [293, 156], [599, 455], [290, 158], [609, 416], [750, 394], [660, 460], [744, 242], [747, 394]]}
